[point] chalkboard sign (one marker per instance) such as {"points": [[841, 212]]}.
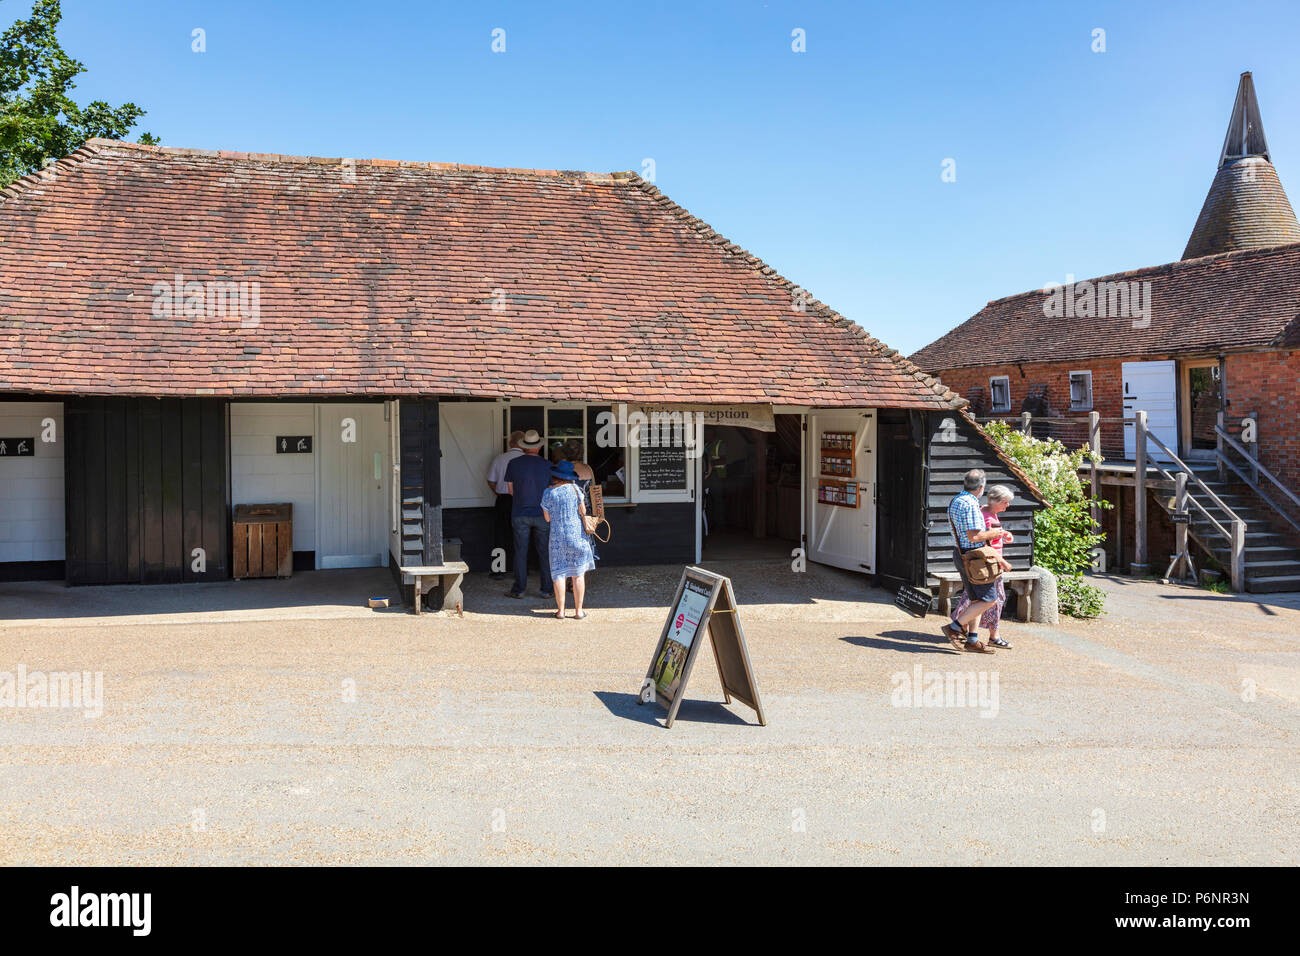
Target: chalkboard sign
{"points": [[915, 601], [704, 603], [293, 444], [663, 468], [17, 447]]}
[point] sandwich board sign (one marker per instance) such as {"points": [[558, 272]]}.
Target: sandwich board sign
{"points": [[704, 603]]}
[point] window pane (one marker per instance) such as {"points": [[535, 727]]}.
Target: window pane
{"points": [[604, 452]]}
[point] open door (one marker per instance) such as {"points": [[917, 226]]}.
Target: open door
{"points": [[841, 463]]}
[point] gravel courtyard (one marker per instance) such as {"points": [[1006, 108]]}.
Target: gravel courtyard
{"points": [[284, 723]]}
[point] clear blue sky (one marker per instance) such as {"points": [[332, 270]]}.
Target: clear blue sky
{"points": [[825, 163]]}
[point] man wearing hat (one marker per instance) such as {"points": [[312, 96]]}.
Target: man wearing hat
{"points": [[503, 533], [527, 477]]}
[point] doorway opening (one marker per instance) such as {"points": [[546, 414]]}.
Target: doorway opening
{"points": [[1200, 408], [751, 491]]}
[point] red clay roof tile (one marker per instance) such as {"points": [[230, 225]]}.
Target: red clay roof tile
{"points": [[380, 277]]}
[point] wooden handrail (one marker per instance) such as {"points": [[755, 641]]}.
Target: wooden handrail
{"points": [[1260, 493], [1192, 475], [1254, 466]]}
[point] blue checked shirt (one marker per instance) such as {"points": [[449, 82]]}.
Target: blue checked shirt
{"points": [[964, 512]]}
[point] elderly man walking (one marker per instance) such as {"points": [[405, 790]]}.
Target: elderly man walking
{"points": [[969, 532]]}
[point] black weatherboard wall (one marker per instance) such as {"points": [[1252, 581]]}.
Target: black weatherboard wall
{"points": [[955, 447], [900, 498], [146, 482]]}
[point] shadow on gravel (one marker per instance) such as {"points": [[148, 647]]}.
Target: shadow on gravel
{"points": [[909, 641], [629, 707]]}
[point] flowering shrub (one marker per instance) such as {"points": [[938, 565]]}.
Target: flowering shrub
{"points": [[1064, 536]]}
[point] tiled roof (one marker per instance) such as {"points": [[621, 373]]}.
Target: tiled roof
{"points": [[381, 278], [1246, 208], [1241, 300]]}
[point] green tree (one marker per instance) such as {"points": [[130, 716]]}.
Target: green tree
{"points": [[38, 119]]}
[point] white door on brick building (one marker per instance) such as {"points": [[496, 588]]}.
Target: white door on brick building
{"points": [[1151, 387]]}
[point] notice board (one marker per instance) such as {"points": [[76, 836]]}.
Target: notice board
{"points": [[662, 467], [703, 604]]}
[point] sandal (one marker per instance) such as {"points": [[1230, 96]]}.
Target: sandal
{"points": [[977, 647], [559, 615], [580, 615], [999, 642]]}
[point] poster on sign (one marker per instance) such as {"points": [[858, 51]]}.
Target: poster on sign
{"points": [[704, 602]]}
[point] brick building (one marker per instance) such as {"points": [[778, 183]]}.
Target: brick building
{"points": [[1217, 332]]}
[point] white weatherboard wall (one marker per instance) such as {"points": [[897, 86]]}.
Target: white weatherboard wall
{"points": [[31, 489], [259, 476]]}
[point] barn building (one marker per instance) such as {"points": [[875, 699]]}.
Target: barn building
{"points": [[186, 333]]}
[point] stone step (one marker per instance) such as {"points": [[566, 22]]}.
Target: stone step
{"points": [[1270, 585]]}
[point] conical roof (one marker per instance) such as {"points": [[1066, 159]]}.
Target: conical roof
{"points": [[1247, 207]]}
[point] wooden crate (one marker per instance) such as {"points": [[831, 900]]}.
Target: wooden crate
{"points": [[263, 541]]}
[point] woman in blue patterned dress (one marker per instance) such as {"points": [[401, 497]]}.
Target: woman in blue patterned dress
{"points": [[571, 555]]}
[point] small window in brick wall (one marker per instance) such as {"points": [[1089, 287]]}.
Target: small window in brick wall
{"points": [[1000, 393], [1080, 391]]}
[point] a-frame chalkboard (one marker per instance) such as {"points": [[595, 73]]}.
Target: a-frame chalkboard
{"points": [[704, 602]]}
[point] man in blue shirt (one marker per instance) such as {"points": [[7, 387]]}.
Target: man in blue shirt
{"points": [[966, 522], [527, 477]]}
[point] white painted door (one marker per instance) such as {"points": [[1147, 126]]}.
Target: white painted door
{"points": [[352, 479], [839, 535], [470, 436], [1151, 387]]}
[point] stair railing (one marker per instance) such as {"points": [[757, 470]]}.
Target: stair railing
{"points": [[1258, 469], [1236, 538]]}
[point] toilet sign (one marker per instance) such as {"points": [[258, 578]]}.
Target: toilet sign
{"points": [[704, 603], [17, 447], [293, 444]]}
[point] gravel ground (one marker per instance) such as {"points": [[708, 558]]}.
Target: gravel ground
{"points": [[1165, 732]]}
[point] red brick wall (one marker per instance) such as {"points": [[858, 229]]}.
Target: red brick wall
{"points": [[1107, 393], [1268, 384]]}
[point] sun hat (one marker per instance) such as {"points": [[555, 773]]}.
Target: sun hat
{"points": [[565, 470], [531, 439]]}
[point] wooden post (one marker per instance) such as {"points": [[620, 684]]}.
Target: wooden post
{"points": [[1140, 564], [1026, 421], [1094, 443], [1239, 555], [760, 485], [1180, 530], [1218, 445]]}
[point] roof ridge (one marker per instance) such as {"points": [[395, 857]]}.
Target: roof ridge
{"points": [[98, 144], [1164, 267], [735, 251]]}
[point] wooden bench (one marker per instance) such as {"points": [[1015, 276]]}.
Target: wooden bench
{"points": [[449, 576], [1023, 583]]}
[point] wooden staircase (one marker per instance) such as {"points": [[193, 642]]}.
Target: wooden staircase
{"points": [[1272, 564]]}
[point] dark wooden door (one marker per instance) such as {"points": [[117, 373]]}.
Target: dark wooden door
{"points": [[900, 508], [146, 484]]}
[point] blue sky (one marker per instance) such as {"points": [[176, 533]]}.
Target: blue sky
{"points": [[827, 164]]}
